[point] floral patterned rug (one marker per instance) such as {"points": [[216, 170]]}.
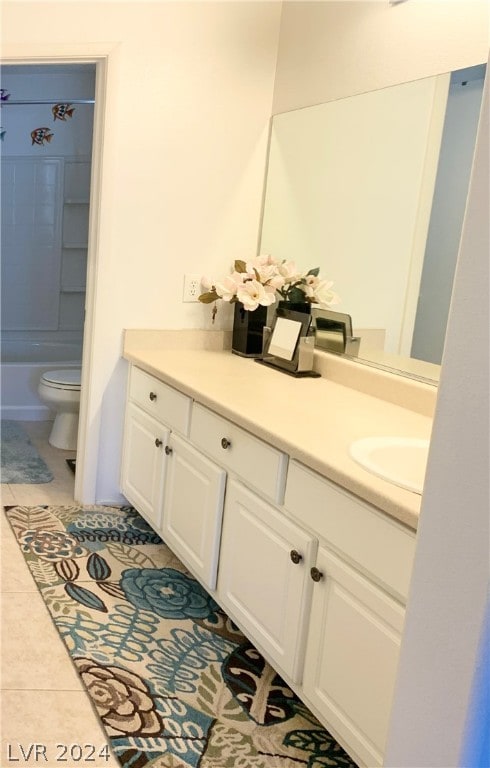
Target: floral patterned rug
{"points": [[175, 683]]}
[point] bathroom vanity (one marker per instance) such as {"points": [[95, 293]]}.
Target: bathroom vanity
{"points": [[246, 475]]}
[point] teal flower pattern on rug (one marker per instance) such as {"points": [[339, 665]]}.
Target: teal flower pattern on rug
{"points": [[173, 680], [167, 592]]}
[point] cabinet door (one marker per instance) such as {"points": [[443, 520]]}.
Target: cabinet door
{"points": [[193, 509], [143, 463], [352, 656], [261, 586]]}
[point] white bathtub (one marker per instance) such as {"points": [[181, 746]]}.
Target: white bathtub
{"points": [[22, 365]]}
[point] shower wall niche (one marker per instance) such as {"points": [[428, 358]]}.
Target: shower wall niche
{"points": [[47, 127], [75, 212]]}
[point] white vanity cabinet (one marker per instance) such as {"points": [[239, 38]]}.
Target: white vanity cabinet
{"points": [[313, 575], [178, 490], [264, 579], [153, 409], [361, 574]]}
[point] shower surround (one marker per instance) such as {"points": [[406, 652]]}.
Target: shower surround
{"points": [[45, 220]]}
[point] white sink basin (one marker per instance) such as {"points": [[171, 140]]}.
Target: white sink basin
{"points": [[400, 460]]}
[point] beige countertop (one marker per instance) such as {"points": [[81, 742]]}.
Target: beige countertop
{"points": [[313, 420]]}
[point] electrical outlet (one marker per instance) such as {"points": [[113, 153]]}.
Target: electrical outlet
{"points": [[192, 287]]}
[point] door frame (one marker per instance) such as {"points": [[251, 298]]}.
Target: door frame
{"points": [[102, 55]]}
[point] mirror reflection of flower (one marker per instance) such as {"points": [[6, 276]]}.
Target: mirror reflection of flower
{"points": [[263, 279]]}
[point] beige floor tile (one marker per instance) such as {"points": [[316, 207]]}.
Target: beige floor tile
{"points": [[42, 701], [6, 495], [6, 531], [38, 432], [14, 573], [49, 718], [33, 655], [48, 493]]}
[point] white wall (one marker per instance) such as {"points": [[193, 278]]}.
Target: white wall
{"points": [[449, 590], [189, 94], [329, 50]]}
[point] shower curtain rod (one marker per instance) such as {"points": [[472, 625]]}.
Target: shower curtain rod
{"points": [[16, 102]]}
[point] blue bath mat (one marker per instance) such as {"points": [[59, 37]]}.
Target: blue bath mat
{"points": [[20, 461]]}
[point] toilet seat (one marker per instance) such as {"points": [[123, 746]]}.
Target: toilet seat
{"points": [[68, 379]]}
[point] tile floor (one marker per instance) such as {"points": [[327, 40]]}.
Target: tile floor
{"points": [[43, 702]]}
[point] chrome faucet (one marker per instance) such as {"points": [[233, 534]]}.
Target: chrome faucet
{"points": [[333, 332]]}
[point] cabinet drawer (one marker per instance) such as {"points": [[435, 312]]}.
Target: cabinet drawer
{"points": [[257, 463], [375, 542], [161, 401]]}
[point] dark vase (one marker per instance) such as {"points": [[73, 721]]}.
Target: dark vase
{"points": [[248, 330], [295, 306]]}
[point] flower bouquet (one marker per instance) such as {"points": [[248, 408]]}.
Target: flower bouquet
{"points": [[260, 281], [256, 284]]}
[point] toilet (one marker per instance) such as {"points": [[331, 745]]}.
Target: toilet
{"points": [[60, 391]]}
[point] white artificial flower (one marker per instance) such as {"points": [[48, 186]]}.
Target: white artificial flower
{"points": [[324, 294], [276, 282], [309, 286], [228, 288], [264, 278], [251, 293], [260, 261], [308, 290], [289, 271], [206, 282], [266, 260], [266, 272], [312, 281], [270, 289]]}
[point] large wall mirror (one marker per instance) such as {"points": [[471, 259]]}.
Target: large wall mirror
{"points": [[372, 189]]}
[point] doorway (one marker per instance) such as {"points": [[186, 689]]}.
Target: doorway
{"points": [[96, 57]]}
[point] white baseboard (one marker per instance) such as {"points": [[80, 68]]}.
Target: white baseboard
{"points": [[26, 413]]}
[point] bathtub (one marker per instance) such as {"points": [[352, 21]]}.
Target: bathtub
{"points": [[22, 365]]}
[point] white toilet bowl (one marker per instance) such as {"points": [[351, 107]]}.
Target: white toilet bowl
{"points": [[60, 391]]}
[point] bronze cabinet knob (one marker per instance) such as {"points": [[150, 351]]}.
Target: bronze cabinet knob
{"points": [[158, 442], [295, 556], [168, 450], [153, 396], [225, 443], [315, 574]]}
